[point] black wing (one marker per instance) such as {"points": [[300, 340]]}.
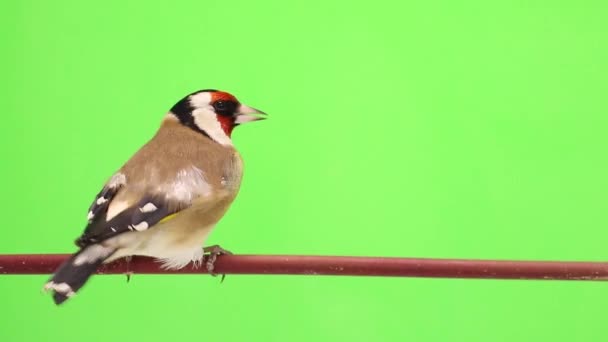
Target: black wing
{"points": [[145, 214], [100, 205]]}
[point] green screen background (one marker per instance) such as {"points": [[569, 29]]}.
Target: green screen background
{"points": [[457, 129]]}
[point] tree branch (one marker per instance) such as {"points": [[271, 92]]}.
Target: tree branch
{"points": [[334, 265]]}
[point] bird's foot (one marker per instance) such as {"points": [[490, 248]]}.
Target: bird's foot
{"points": [[212, 252], [128, 273]]}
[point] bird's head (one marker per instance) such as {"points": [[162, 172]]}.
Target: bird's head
{"points": [[214, 113]]}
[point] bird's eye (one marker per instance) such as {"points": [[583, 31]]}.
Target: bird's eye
{"points": [[220, 105], [226, 108]]}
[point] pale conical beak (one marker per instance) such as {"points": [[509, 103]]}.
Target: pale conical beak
{"points": [[248, 114]]}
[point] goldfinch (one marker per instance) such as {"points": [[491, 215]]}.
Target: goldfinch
{"points": [[167, 198]]}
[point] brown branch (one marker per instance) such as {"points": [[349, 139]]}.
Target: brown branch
{"points": [[334, 265]]}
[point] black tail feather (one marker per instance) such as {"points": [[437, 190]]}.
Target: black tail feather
{"points": [[75, 271]]}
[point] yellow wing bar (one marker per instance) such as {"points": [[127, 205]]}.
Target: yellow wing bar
{"points": [[167, 218]]}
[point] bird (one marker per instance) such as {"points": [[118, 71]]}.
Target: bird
{"points": [[167, 198]]}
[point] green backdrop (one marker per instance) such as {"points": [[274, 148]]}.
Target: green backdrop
{"points": [[466, 129]]}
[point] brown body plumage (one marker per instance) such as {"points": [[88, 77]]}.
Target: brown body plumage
{"points": [[198, 209], [168, 197]]}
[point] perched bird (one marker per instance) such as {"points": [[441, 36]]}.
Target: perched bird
{"points": [[167, 198]]}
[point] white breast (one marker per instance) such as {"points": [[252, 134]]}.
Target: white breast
{"points": [[160, 244]]}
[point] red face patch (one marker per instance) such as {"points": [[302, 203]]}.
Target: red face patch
{"points": [[227, 124], [220, 95]]}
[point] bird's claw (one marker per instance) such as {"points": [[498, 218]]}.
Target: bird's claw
{"points": [[128, 273], [212, 253]]}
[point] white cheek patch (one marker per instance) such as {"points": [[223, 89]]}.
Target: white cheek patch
{"points": [[206, 119]]}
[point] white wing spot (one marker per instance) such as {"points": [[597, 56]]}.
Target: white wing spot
{"points": [[62, 288], [101, 200], [143, 225], [90, 216], [113, 229], [117, 180], [148, 208], [92, 254], [115, 208]]}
